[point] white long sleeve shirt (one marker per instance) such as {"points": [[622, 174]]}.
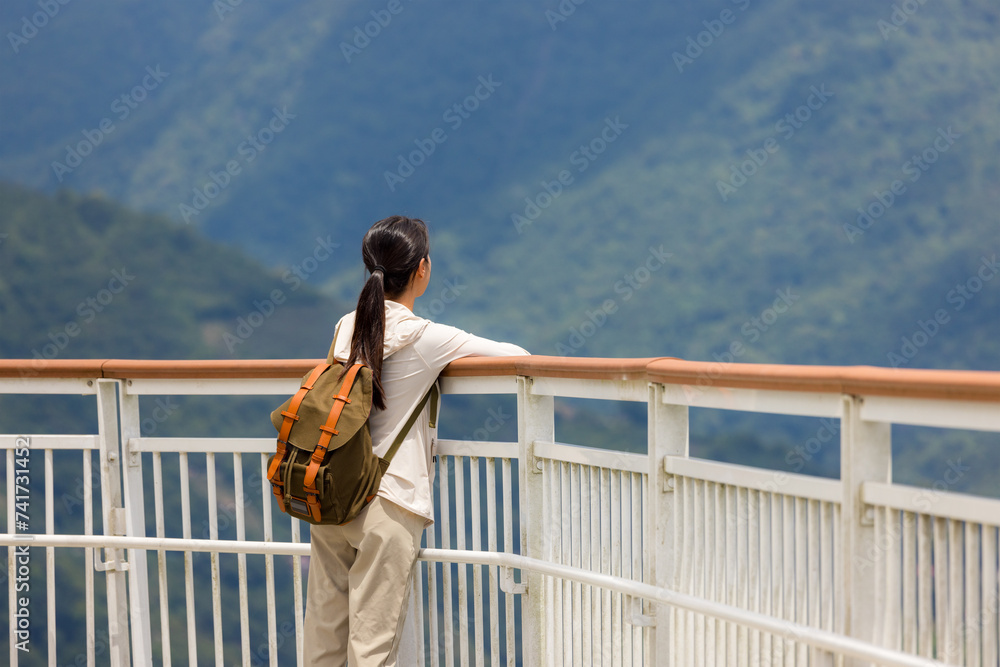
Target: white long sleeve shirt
{"points": [[416, 351]]}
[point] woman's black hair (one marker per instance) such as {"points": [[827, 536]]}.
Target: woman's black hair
{"points": [[391, 250]]}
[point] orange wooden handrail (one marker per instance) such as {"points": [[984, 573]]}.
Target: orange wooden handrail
{"points": [[857, 380]]}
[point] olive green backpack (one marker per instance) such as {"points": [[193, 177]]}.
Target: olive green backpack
{"points": [[324, 470]]}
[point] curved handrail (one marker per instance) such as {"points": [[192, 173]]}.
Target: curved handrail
{"points": [[819, 638], [857, 380]]}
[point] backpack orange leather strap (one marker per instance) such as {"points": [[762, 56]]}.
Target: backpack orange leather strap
{"points": [[290, 416], [328, 431]]}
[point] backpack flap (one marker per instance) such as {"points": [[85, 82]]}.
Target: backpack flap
{"points": [[309, 415]]}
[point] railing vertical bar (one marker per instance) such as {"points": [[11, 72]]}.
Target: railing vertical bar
{"points": [[813, 560], [909, 610], [463, 576], [704, 585], [448, 621], [639, 521], [826, 566], [825, 620], [416, 604], [616, 566], [689, 535], [213, 529], [720, 632], [893, 572], [491, 544], [596, 594], [625, 523], [508, 546], [576, 528], [475, 468], [766, 556], [839, 606], [973, 619], [88, 558], [433, 637], [50, 563], [130, 463], [607, 611], [956, 566], [272, 614], [299, 598], [925, 628], [549, 509], [476, 570], [553, 588], [678, 632], [11, 556], [586, 562], [161, 558], [192, 637], [742, 579], [941, 606], [777, 582], [675, 570], [788, 560], [699, 558], [801, 575], [991, 597], [880, 559], [732, 572], [241, 559], [566, 558], [753, 569]]}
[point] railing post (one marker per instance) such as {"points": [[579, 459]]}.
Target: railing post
{"points": [[535, 421], [667, 436], [135, 526], [865, 455], [112, 514]]}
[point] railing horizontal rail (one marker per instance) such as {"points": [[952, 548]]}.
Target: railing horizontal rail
{"points": [[219, 386], [156, 544], [42, 442], [203, 445], [599, 458], [771, 481], [959, 506], [486, 450], [851, 380], [940, 413]]}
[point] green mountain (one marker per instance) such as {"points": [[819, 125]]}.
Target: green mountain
{"points": [[84, 277], [742, 138]]}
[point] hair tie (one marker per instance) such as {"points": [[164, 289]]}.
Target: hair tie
{"points": [[378, 267]]}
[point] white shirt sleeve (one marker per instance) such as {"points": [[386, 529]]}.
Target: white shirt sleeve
{"points": [[441, 344]]}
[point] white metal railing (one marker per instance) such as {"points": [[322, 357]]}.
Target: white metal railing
{"points": [[543, 552]]}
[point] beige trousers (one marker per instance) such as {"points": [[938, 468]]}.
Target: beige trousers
{"points": [[359, 582]]}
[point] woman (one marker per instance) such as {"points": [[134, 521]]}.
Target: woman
{"points": [[359, 573]]}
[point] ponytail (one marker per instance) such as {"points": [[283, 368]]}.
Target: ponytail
{"points": [[391, 250], [369, 332]]}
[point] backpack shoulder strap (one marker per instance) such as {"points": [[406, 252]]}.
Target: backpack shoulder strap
{"points": [[432, 395]]}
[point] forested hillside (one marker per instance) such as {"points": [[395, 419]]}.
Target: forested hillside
{"points": [[83, 277], [746, 155]]}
